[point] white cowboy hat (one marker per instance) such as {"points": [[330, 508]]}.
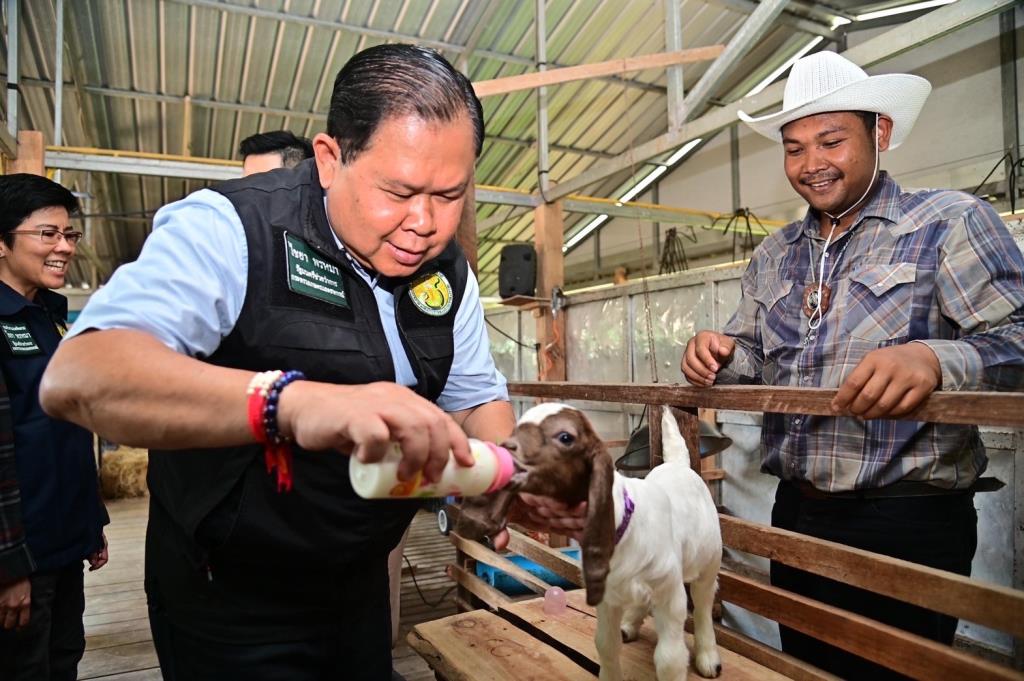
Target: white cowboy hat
{"points": [[824, 82]]}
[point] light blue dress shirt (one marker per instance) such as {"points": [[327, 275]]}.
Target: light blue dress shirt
{"points": [[188, 285]]}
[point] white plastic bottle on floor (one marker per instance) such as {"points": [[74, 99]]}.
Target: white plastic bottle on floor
{"points": [[493, 469]]}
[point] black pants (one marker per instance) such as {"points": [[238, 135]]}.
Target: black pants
{"points": [[355, 650], [50, 646], [263, 622], [937, 531]]}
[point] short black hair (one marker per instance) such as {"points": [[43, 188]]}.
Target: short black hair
{"points": [[869, 118], [22, 194], [292, 148], [396, 79]]}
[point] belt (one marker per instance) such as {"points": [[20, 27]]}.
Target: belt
{"points": [[904, 488]]}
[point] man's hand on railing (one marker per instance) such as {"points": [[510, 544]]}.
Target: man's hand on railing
{"points": [[705, 354], [889, 382]]}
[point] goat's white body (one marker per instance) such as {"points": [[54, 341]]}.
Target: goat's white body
{"points": [[673, 538]]}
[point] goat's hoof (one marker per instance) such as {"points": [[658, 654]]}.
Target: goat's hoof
{"points": [[708, 664], [629, 634]]}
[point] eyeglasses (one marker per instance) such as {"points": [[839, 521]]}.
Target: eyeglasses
{"points": [[50, 237]]}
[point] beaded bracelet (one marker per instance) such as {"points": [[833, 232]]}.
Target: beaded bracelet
{"points": [[264, 392], [270, 409]]}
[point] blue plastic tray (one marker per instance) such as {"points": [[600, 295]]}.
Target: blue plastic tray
{"points": [[508, 585]]}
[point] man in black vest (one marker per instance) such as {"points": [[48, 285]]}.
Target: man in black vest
{"points": [[261, 563]]}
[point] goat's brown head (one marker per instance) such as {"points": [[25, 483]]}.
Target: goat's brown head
{"points": [[563, 458]]}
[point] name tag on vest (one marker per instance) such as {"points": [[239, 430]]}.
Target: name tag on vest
{"points": [[19, 338], [312, 275]]}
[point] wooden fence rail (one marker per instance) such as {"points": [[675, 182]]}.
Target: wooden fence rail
{"points": [[975, 408], [985, 604]]}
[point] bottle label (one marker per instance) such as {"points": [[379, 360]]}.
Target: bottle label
{"points": [[379, 479], [414, 487]]}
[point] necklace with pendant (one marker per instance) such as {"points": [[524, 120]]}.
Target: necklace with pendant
{"points": [[818, 293], [814, 301]]}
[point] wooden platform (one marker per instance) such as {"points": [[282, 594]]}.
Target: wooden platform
{"points": [[118, 643], [521, 641]]}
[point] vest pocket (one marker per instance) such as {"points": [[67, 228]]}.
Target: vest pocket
{"points": [[880, 302], [314, 335], [341, 353]]}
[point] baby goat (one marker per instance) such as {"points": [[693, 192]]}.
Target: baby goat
{"points": [[643, 538]]}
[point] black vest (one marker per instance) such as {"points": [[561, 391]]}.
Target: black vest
{"points": [[224, 499]]}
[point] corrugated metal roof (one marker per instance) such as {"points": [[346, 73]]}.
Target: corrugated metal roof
{"points": [[246, 66]]}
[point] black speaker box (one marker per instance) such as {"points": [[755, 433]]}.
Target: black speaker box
{"points": [[517, 271]]}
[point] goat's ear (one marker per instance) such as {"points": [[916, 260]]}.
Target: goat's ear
{"points": [[484, 515], [599, 534]]}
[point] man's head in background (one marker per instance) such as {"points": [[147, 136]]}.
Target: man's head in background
{"points": [[269, 150]]}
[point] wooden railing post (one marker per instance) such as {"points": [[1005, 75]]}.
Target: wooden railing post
{"points": [[548, 235], [30, 154], [466, 234], [654, 429], [686, 417]]}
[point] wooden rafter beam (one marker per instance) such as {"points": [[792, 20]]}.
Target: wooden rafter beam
{"points": [[527, 81]]}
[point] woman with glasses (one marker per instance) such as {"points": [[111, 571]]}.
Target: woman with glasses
{"points": [[51, 517]]}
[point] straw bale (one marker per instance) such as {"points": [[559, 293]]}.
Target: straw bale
{"points": [[123, 473]]}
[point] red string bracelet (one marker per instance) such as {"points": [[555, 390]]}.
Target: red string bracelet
{"points": [[263, 392], [278, 451]]}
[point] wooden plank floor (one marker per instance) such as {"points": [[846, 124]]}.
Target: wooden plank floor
{"points": [[118, 644]]}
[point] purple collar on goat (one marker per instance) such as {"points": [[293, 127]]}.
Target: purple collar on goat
{"points": [[627, 513]]}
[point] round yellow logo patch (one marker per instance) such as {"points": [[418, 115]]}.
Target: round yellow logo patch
{"points": [[432, 294]]}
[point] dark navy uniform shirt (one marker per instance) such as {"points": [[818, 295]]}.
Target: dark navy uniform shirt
{"points": [[60, 511]]}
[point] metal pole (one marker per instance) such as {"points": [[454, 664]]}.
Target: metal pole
{"points": [[756, 25], [90, 204], [655, 228], [58, 80], [542, 100], [674, 74], [1008, 77], [734, 164], [186, 128], [58, 98], [12, 67]]}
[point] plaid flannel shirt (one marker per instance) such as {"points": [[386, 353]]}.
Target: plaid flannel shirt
{"points": [[15, 557], [936, 267]]}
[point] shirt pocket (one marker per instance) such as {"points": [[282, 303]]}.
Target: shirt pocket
{"points": [[880, 302], [773, 312]]}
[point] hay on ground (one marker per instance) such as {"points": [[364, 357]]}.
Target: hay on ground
{"points": [[123, 473]]}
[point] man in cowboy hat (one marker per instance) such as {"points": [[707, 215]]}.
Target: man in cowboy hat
{"points": [[886, 295]]}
